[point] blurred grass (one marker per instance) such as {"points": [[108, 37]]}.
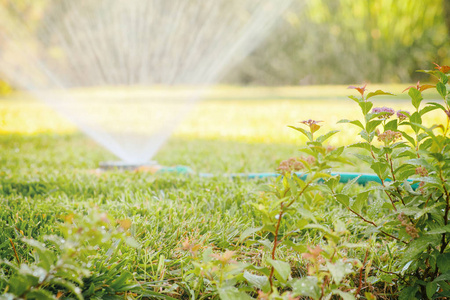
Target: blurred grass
{"points": [[233, 130]]}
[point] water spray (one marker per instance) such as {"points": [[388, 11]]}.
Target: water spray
{"points": [[128, 72]]}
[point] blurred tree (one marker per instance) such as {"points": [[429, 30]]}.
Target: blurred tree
{"points": [[446, 7], [325, 41], [343, 41]]}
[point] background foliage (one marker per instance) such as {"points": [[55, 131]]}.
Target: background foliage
{"points": [[332, 42], [344, 41]]}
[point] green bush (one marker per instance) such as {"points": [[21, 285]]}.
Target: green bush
{"points": [[406, 215]]}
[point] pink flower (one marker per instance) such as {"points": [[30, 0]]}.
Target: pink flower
{"points": [[313, 126], [310, 122], [422, 171], [403, 114], [292, 164], [387, 112], [389, 136]]}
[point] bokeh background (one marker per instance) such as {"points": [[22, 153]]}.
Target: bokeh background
{"points": [[332, 42]]}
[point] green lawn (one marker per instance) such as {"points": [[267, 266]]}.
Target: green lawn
{"points": [[47, 172]]}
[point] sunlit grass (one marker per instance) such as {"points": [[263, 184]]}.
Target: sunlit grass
{"points": [[249, 115]]}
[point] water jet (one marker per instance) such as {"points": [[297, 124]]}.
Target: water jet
{"points": [[127, 72]]}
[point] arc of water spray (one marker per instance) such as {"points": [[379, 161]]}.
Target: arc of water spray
{"points": [[163, 54]]}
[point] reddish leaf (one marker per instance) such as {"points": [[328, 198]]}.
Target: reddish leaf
{"points": [[419, 87], [360, 89], [443, 69], [426, 87]]}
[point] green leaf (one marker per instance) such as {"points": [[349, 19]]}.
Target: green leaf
{"points": [[367, 136], [418, 246], [379, 168], [68, 285], [437, 105], [348, 186], [260, 282], [442, 90], [44, 257], [429, 108], [248, 232], [408, 293], [416, 97], [300, 248], [409, 138], [344, 295], [378, 93], [339, 270], [366, 158], [338, 151], [120, 281], [343, 199], [391, 125], [428, 179], [362, 145], [354, 122], [305, 213], [431, 289], [19, 284], [443, 262], [415, 120], [359, 202], [155, 295], [232, 293], [282, 269], [332, 182], [440, 230], [304, 131], [320, 175], [357, 100], [443, 77], [372, 125], [326, 136], [443, 277], [40, 295], [266, 243], [307, 287], [365, 106]]}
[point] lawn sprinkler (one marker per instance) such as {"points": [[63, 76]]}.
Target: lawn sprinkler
{"points": [[150, 167]]}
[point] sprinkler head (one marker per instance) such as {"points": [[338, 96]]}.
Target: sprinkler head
{"points": [[151, 166]]}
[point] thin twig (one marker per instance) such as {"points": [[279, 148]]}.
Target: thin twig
{"points": [[391, 273], [361, 273], [15, 252], [373, 223]]}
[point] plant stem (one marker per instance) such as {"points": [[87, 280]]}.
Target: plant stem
{"points": [[375, 225], [275, 242], [392, 273], [361, 273], [277, 228], [444, 243], [382, 182]]}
